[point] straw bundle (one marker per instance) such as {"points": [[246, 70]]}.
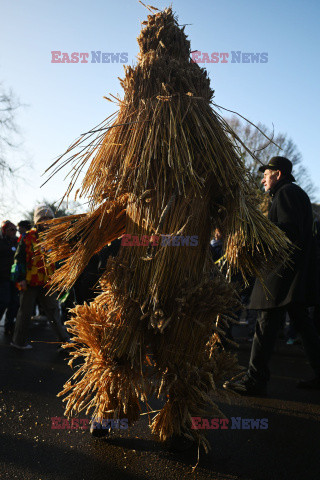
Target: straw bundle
{"points": [[166, 165]]}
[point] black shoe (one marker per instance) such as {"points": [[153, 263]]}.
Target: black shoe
{"points": [[245, 386], [98, 430], [313, 384]]}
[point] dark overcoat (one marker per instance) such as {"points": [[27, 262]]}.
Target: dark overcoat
{"points": [[291, 211], [7, 251]]}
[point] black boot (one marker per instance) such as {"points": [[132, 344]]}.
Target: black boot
{"points": [[246, 386]]}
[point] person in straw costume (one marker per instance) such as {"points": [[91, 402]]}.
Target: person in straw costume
{"points": [[167, 164]]}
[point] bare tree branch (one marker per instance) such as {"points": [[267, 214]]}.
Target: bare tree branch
{"points": [[280, 145]]}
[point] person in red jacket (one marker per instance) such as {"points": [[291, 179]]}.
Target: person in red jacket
{"points": [[32, 273]]}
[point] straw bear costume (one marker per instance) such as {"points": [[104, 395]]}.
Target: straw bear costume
{"points": [[166, 164]]}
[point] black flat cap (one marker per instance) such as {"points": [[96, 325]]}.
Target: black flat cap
{"points": [[279, 163]]}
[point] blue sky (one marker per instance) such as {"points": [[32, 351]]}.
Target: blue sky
{"points": [[65, 100]]}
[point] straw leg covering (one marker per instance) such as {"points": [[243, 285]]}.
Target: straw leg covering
{"points": [[147, 308]]}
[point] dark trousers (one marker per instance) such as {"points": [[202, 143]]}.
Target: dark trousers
{"points": [[50, 305], [268, 324], [9, 303]]}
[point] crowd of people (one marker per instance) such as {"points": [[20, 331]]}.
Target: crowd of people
{"points": [[292, 289], [24, 275]]}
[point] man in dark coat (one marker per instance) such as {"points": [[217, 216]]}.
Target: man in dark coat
{"points": [[290, 288], [9, 296]]}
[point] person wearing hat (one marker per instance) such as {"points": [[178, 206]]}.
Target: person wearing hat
{"points": [[291, 288], [32, 274], [9, 296]]}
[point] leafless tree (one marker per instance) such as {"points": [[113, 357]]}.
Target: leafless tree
{"points": [[8, 132], [264, 149]]}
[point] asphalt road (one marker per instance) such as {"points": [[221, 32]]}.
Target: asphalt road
{"points": [[289, 449]]}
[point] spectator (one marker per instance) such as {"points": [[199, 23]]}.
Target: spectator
{"points": [[87, 283], [216, 245], [33, 273], [9, 297], [23, 227], [86, 286], [216, 249], [316, 309], [290, 288]]}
